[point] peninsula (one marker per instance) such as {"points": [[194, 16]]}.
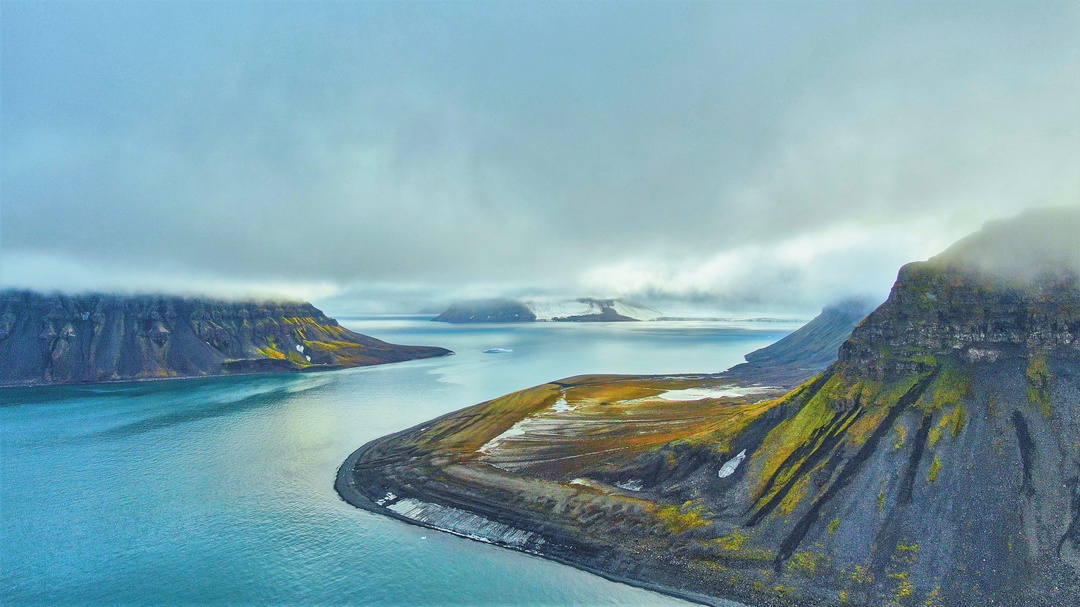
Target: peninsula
{"points": [[933, 463]]}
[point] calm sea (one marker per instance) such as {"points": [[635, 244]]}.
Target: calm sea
{"points": [[220, 491]]}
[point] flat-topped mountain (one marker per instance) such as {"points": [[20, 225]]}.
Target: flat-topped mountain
{"points": [[936, 462], [90, 338], [487, 310]]}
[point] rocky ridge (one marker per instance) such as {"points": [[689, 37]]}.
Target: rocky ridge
{"points": [[47, 339]]}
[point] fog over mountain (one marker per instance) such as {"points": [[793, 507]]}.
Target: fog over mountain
{"points": [[735, 156]]}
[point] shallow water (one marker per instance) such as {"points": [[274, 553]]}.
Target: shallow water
{"points": [[220, 491]]}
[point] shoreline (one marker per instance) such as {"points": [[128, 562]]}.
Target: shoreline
{"points": [[139, 380], [347, 490]]}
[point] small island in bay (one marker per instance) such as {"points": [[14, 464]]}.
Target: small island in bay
{"points": [[56, 338], [930, 460]]}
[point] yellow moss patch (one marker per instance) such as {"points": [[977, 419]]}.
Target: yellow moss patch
{"points": [[905, 589], [795, 495], [609, 392], [733, 541], [680, 519], [793, 433], [952, 385], [1038, 391], [272, 352], [935, 468], [782, 590], [470, 430], [862, 428], [901, 436], [862, 575], [806, 562]]}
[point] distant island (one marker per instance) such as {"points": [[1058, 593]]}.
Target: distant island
{"points": [[57, 338], [582, 309], [933, 461]]}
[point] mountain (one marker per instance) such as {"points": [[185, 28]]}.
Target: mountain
{"points": [[487, 310], [936, 462], [584, 309], [48, 339], [807, 351]]}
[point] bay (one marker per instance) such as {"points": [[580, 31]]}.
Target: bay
{"points": [[220, 491]]}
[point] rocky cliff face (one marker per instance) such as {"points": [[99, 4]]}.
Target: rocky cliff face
{"points": [[937, 461], [89, 338]]}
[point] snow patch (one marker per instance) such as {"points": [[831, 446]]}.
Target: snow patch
{"points": [[561, 406], [518, 429], [459, 522], [729, 466], [700, 393]]}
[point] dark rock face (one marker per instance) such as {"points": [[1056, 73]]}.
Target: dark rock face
{"points": [[489, 310], [89, 338]]}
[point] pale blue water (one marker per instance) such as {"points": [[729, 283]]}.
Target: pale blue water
{"points": [[220, 491]]}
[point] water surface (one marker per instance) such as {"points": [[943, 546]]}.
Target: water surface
{"points": [[220, 491]]}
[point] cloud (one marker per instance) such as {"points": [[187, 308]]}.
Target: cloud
{"points": [[462, 147], [801, 273]]}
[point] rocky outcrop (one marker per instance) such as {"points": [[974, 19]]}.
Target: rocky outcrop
{"points": [[90, 338]]}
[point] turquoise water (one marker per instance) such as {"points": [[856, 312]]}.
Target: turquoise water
{"points": [[220, 491]]}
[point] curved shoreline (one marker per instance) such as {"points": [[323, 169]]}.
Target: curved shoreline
{"points": [[313, 369], [347, 490]]}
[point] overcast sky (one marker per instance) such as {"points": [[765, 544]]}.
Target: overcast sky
{"points": [[737, 156]]}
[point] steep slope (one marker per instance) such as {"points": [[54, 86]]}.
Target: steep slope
{"points": [[88, 338], [808, 350], [936, 462]]}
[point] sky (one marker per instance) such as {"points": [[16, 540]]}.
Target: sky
{"points": [[393, 156]]}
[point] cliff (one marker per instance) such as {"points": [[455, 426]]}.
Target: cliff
{"points": [[935, 463], [90, 338]]}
